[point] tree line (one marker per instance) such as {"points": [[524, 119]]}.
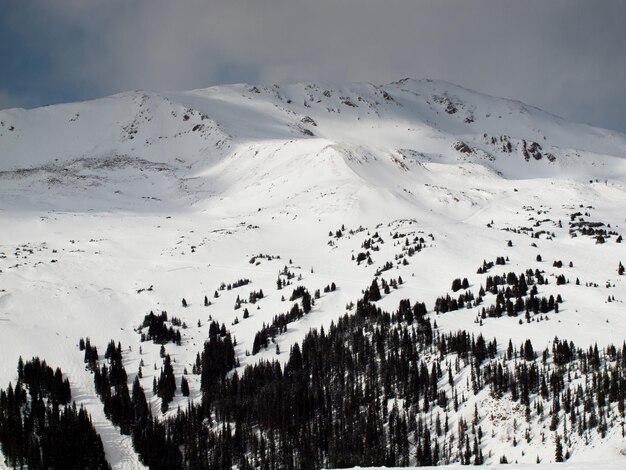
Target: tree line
{"points": [[40, 429]]}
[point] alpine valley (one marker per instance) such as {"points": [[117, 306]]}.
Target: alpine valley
{"points": [[310, 276]]}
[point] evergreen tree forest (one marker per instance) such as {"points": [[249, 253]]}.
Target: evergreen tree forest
{"points": [[40, 429], [376, 389], [158, 331]]}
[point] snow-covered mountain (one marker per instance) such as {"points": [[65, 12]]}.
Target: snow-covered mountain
{"points": [[241, 141], [115, 207]]}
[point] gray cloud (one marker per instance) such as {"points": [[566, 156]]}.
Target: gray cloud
{"points": [[7, 100], [566, 56]]}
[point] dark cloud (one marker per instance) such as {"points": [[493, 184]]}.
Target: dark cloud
{"points": [[566, 56], [8, 100]]}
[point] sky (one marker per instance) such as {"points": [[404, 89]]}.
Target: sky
{"points": [[567, 57]]}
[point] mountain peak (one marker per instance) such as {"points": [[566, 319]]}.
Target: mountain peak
{"points": [[395, 138]]}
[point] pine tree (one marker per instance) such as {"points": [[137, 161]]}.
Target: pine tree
{"points": [[558, 452], [166, 385], [184, 387], [306, 302], [374, 291]]}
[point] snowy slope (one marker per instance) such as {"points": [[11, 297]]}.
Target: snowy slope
{"points": [[554, 466], [101, 200], [215, 142]]}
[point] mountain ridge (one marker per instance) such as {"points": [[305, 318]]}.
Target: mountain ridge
{"points": [[214, 138]]}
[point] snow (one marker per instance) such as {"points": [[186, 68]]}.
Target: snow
{"points": [[90, 216], [553, 466]]}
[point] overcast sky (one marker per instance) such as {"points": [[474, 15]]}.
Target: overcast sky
{"points": [[567, 56]]}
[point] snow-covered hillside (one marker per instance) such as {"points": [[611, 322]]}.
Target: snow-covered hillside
{"points": [[128, 204], [297, 143], [555, 466]]}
